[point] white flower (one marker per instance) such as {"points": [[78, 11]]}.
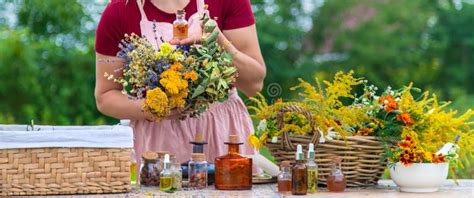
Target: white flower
{"points": [[274, 139], [397, 99], [262, 126], [321, 137]]}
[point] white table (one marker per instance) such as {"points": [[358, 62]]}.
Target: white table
{"points": [[384, 189]]}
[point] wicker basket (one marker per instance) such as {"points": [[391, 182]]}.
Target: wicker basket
{"points": [[56, 171], [362, 155]]}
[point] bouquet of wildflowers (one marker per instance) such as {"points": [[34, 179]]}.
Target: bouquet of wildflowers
{"points": [[186, 78], [418, 126]]}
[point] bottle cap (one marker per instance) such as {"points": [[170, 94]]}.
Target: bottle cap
{"points": [[198, 157], [181, 12], [299, 152], [310, 151], [150, 156], [285, 164]]}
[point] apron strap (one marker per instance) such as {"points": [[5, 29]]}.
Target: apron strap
{"points": [[141, 4], [200, 7]]}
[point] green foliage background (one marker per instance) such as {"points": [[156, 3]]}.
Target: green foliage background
{"points": [[47, 51]]}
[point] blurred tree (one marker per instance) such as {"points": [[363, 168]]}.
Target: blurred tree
{"points": [[47, 64]]}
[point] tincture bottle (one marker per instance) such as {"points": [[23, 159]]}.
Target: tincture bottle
{"points": [[166, 176], [312, 170], [299, 174]]}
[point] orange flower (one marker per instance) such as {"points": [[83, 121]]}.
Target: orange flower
{"points": [[364, 131], [406, 118], [438, 158], [176, 66], [389, 103], [404, 145], [407, 158], [191, 75]]}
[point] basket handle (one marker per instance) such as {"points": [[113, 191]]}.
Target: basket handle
{"points": [[286, 142]]}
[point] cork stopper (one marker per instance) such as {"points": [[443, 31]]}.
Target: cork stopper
{"points": [[199, 137], [150, 156], [198, 157], [285, 164], [234, 139]]}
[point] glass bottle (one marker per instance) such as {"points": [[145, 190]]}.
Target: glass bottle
{"points": [[336, 182], [198, 147], [312, 170], [133, 167], [177, 176], [149, 170], [180, 25], [197, 171], [284, 178], [166, 176], [299, 174], [233, 171], [161, 155]]}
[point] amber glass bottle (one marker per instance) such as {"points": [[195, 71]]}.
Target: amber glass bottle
{"points": [[233, 171], [299, 174], [180, 25], [336, 182]]}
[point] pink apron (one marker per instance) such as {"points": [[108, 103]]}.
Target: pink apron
{"points": [[222, 119]]}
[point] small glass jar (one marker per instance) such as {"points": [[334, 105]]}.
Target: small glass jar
{"points": [[197, 168], [149, 170], [177, 176], [336, 182], [284, 178], [180, 25]]}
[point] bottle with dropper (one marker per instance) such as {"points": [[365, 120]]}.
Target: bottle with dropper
{"points": [[312, 170], [166, 176], [299, 174]]}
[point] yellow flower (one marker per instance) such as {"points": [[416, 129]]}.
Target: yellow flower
{"points": [[165, 50], [263, 138], [191, 75], [173, 82], [254, 141], [156, 103], [178, 100]]}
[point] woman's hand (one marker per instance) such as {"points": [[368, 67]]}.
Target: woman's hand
{"points": [[195, 34]]}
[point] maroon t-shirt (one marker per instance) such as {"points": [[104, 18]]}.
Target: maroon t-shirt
{"points": [[121, 17]]}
